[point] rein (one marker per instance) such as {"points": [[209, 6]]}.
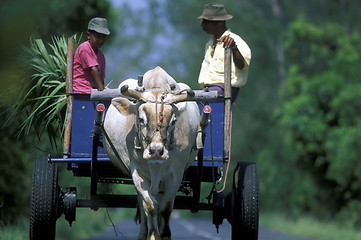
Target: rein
{"points": [[160, 114]]}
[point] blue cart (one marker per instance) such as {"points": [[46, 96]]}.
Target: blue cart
{"points": [[85, 157]]}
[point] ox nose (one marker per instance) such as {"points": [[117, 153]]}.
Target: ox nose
{"points": [[156, 149]]}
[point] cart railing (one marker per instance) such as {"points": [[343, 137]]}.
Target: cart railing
{"points": [[109, 94]]}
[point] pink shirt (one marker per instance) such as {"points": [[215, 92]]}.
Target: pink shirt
{"points": [[84, 59]]}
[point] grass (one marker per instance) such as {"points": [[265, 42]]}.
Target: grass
{"points": [[309, 227], [90, 222], [87, 224], [14, 232]]}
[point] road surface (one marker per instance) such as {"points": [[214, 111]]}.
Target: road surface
{"points": [[187, 229]]}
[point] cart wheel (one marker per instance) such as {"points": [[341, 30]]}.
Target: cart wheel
{"points": [[245, 202], [44, 200]]}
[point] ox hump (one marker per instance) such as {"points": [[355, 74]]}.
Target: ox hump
{"points": [[158, 78]]}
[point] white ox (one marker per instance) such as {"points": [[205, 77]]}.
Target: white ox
{"points": [[154, 137]]}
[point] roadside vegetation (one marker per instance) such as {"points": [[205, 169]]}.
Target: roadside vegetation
{"points": [[88, 223], [309, 227]]}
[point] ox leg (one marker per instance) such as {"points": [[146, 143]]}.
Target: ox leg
{"points": [[151, 211], [164, 220], [167, 202], [142, 220], [149, 207], [149, 222]]}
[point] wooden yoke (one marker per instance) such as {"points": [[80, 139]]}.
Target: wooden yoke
{"points": [[227, 103], [69, 102]]}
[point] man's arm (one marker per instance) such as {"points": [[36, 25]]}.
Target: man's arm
{"points": [[237, 57], [96, 77], [229, 42]]}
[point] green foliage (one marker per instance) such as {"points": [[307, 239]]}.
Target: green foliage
{"points": [[43, 19], [74, 16], [17, 231], [308, 226], [42, 101], [14, 181], [321, 112], [19, 20], [88, 223]]}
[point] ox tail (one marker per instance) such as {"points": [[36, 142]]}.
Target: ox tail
{"points": [[137, 218]]}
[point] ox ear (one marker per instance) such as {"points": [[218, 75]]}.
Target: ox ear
{"points": [[123, 105]]}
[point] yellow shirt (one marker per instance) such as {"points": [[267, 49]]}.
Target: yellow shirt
{"points": [[212, 70]]}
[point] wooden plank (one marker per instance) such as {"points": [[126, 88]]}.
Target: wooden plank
{"points": [[201, 95], [68, 89], [109, 94], [104, 95], [227, 103]]}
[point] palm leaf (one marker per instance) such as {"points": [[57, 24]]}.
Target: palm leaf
{"points": [[41, 104]]}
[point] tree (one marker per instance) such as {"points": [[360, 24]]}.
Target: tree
{"points": [[320, 112], [20, 20]]}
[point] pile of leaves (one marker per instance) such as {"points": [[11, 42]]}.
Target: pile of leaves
{"points": [[40, 108]]}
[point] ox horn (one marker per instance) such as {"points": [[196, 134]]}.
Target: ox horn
{"points": [[184, 97], [124, 90]]}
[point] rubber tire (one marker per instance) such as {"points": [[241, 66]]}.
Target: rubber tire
{"points": [[44, 200], [245, 204]]}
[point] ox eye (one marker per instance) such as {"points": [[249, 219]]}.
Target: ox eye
{"points": [[174, 119], [141, 121], [148, 140]]}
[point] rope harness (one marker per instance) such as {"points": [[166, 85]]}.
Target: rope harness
{"points": [[160, 121]]}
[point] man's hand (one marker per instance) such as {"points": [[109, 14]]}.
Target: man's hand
{"points": [[228, 42]]}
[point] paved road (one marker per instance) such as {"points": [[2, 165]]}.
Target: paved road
{"points": [[187, 229]]}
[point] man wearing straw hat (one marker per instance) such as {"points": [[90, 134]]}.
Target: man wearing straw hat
{"points": [[211, 76]]}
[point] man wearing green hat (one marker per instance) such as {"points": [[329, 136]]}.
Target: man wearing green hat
{"points": [[211, 76], [89, 61]]}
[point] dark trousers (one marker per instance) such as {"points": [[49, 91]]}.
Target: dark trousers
{"points": [[219, 87]]}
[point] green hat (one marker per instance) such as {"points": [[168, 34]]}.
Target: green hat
{"points": [[215, 12], [99, 25]]}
